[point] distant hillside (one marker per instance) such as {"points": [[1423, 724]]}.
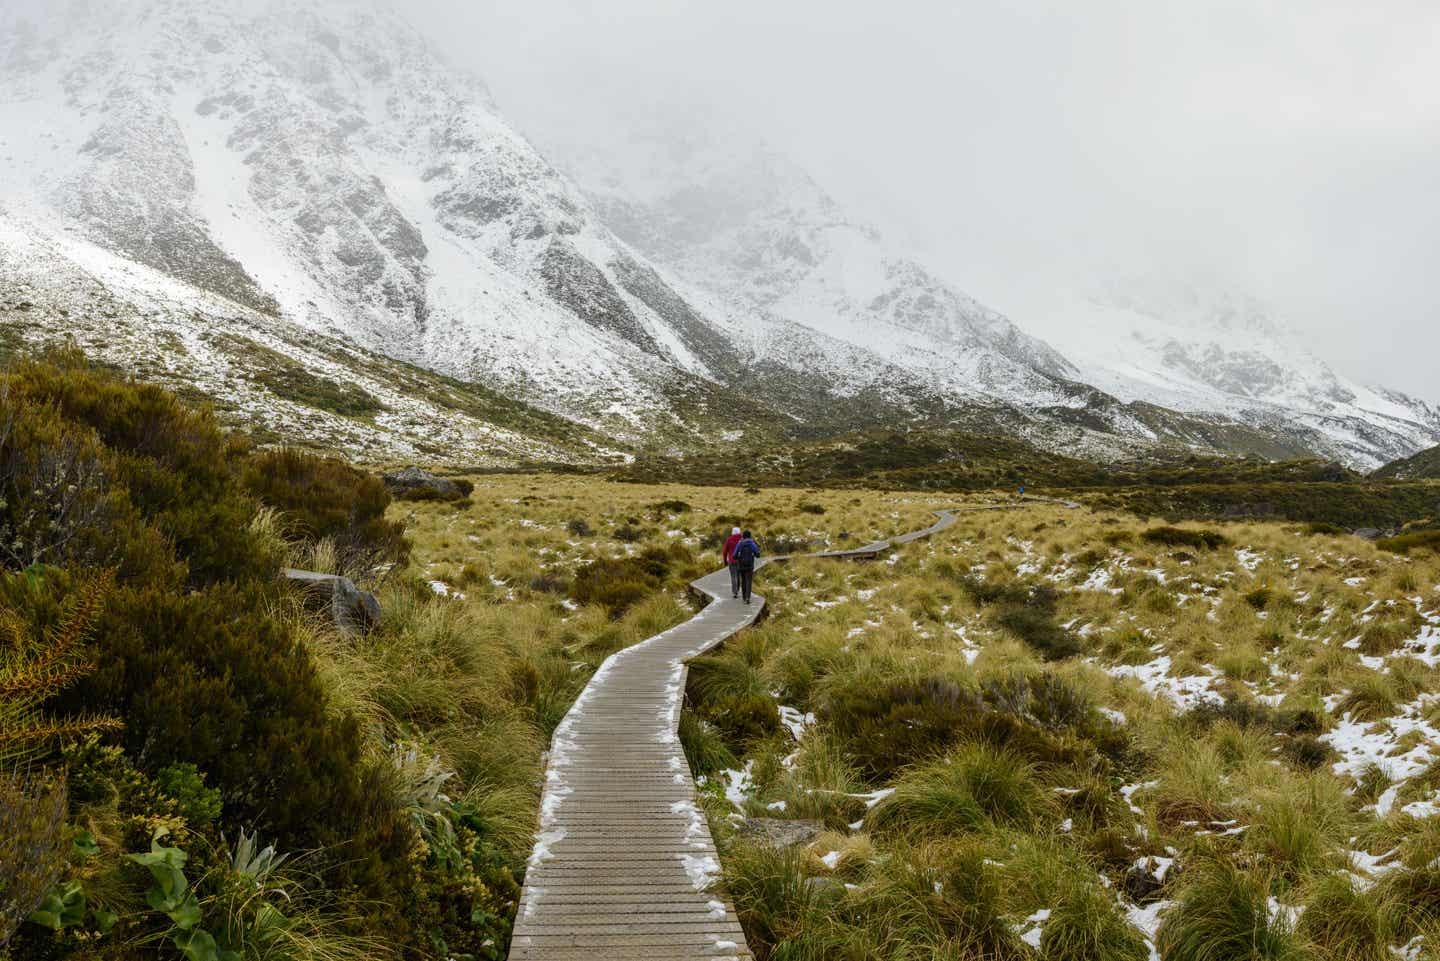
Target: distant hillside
{"points": [[1424, 464]]}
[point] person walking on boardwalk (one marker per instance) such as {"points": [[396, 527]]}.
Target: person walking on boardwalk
{"points": [[745, 553], [729, 555]]}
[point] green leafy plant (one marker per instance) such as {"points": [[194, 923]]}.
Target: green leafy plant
{"points": [[173, 896]]}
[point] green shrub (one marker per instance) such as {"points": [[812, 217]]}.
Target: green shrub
{"points": [[1185, 537], [1026, 612], [33, 842], [886, 725], [173, 463], [1037, 627], [196, 803], [617, 584], [59, 502], [323, 497], [1258, 598], [1416, 541], [1325, 528], [209, 679]]}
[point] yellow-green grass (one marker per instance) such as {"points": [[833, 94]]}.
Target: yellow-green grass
{"points": [[1214, 690]]}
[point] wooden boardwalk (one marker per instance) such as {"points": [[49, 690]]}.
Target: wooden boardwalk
{"points": [[624, 857]]}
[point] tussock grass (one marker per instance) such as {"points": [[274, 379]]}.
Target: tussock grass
{"points": [[1223, 912], [971, 788], [1027, 773]]}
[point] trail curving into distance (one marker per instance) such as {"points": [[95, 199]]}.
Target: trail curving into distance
{"points": [[623, 854]]}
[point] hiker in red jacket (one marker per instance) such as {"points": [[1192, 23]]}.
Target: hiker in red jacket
{"points": [[728, 554]]}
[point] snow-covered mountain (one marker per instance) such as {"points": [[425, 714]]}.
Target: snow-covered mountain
{"points": [[732, 217], [320, 164], [293, 168], [1193, 348], [743, 223]]}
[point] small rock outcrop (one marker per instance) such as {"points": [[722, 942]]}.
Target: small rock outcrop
{"points": [[414, 484], [781, 832], [350, 607]]}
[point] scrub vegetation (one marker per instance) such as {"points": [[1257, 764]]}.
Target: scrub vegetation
{"points": [[1070, 734], [195, 762], [1045, 732]]}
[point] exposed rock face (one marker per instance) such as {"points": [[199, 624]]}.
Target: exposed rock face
{"points": [[781, 832], [350, 608]]}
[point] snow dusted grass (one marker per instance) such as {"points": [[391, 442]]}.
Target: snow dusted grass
{"points": [[487, 649], [1244, 753]]}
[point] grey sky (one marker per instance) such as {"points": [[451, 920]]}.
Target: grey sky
{"points": [[1290, 150]]}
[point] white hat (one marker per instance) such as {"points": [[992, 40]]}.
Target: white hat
{"points": [[734, 530]]}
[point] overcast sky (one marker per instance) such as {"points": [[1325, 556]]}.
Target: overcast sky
{"points": [[1288, 150]]}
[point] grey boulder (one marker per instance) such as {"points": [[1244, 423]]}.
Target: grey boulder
{"points": [[350, 608], [412, 483]]}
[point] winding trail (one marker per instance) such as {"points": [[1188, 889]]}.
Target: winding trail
{"points": [[624, 854]]}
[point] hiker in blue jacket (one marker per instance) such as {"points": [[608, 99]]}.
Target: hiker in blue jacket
{"points": [[744, 556]]}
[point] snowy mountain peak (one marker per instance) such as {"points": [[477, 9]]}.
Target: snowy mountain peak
{"points": [[319, 167]]}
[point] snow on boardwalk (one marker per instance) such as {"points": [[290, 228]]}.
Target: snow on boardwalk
{"points": [[623, 857]]}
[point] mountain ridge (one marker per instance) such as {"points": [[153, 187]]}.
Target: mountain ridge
{"points": [[324, 168]]}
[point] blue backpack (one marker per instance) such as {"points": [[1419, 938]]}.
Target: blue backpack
{"points": [[746, 551]]}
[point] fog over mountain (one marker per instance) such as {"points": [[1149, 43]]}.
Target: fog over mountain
{"points": [[1037, 154], [678, 236]]}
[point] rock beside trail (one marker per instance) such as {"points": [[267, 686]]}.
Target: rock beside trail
{"points": [[415, 484], [350, 608], [781, 832]]}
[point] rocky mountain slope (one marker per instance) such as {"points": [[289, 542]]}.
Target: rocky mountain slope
{"points": [[1421, 465], [1192, 349], [317, 175], [273, 378], [732, 217], [320, 165]]}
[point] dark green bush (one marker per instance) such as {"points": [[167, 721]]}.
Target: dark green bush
{"points": [[617, 584], [326, 497], [628, 534], [1037, 627], [1258, 598], [1326, 528], [1026, 612], [1416, 541], [209, 679], [888, 725], [172, 463], [816, 509], [1184, 537], [199, 805]]}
